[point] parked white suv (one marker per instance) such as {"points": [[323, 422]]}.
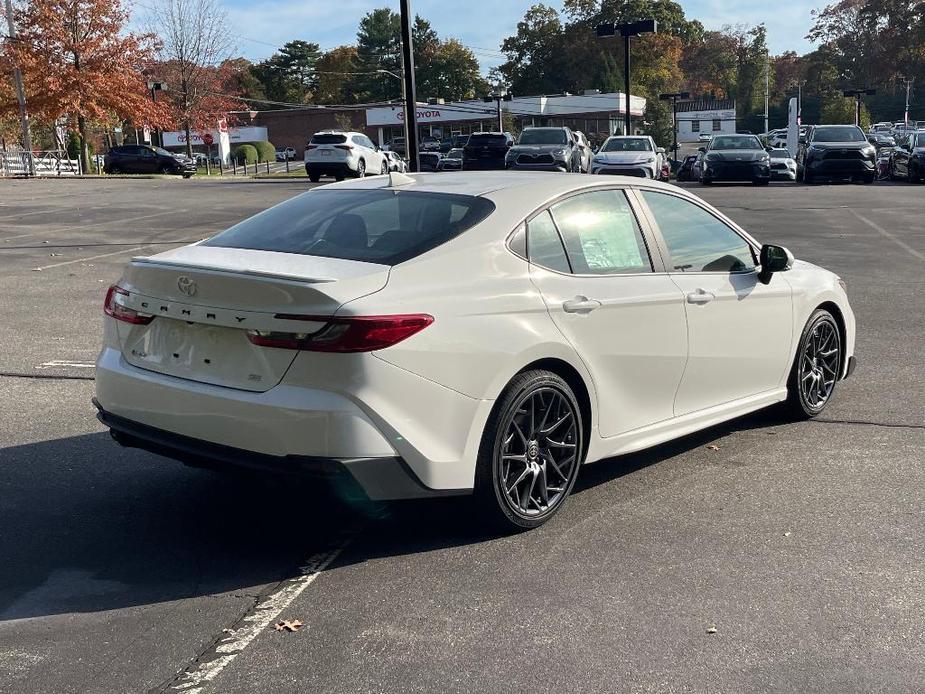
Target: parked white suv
{"points": [[629, 155], [340, 154]]}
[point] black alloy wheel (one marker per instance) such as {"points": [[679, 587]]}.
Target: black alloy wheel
{"points": [[531, 451], [816, 367]]}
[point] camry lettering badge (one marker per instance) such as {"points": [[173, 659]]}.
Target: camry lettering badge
{"points": [[186, 286]]}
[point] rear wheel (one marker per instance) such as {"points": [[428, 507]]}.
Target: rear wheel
{"points": [[384, 169], [915, 176], [314, 177], [816, 366], [531, 450], [361, 169]]}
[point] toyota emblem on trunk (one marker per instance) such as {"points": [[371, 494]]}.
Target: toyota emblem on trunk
{"points": [[186, 285]]}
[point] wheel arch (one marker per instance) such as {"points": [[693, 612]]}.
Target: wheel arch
{"points": [[839, 317]]}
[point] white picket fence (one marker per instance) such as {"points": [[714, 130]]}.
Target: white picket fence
{"points": [[52, 163]]}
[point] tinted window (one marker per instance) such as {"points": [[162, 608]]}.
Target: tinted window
{"points": [[328, 139], [728, 142], [543, 136], [627, 144], [487, 141], [544, 247], [919, 140], [834, 133], [601, 234], [697, 241], [375, 226], [780, 154]]}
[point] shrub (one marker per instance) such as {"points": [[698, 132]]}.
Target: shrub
{"points": [[245, 154], [265, 151]]}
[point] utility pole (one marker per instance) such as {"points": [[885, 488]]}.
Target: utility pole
{"points": [[411, 120], [767, 88], [909, 82], [857, 94], [20, 96], [498, 96], [674, 96], [156, 87], [627, 31]]}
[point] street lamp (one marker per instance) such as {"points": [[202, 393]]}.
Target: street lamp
{"points": [[411, 117], [402, 80], [154, 88], [857, 94], [498, 96], [627, 31], [673, 97]]}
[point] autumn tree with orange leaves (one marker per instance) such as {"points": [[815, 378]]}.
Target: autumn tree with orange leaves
{"points": [[79, 66]]}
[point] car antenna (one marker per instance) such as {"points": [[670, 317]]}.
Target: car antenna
{"points": [[396, 178]]}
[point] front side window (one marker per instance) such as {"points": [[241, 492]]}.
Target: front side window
{"points": [[601, 235], [373, 226], [696, 240]]}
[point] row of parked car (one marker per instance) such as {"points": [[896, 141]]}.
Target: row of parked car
{"points": [[824, 152], [341, 154]]}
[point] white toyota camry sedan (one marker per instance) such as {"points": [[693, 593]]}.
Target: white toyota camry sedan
{"points": [[479, 333]]}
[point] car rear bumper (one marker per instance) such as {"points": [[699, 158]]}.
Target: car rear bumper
{"points": [[483, 164], [432, 430], [329, 168]]}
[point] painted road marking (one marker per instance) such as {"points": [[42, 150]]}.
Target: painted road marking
{"points": [[92, 257], [60, 364], [194, 681], [82, 227], [883, 232]]}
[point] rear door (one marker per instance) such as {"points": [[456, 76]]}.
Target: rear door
{"points": [[740, 330], [610, 299]]}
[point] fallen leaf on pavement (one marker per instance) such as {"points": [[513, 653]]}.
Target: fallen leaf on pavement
{"points": [[289, 625], [712, 447], [711, 629]]}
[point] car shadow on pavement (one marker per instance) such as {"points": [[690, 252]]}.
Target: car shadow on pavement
{"points": [[86, 525]]}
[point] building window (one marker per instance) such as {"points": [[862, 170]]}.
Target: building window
{"points": [[717, 125], [695, 126]]}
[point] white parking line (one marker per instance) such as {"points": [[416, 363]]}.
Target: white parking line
{"points": [[82, 227], [92, 257], [194, 681], [883, 232], [60, 364]]}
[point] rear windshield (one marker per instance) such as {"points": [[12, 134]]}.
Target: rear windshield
{"points": [[780, 154], [829, 133], [328, 139], [543, 136], [486, 140], [628, 144], [373, 226]]}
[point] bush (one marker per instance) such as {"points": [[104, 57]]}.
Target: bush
{"points": [[73, 146], [265, 150], [245, 154]]}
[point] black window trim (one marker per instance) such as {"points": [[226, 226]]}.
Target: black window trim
{"points": [[753, 245], [649, 238]]}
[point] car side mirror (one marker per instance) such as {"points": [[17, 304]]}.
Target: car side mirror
{"points": [[660, 150], [702, 150], [774, 259]]}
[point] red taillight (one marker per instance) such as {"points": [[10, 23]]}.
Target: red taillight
{"points": [[363, 334], [348, 147], [310, 146], [123, 313]]}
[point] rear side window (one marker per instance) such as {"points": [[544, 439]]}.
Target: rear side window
{"points": [[544, 247], [601, 235], [487, 141], [373, 226], [328, 139]]}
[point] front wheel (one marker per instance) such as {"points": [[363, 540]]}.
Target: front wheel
{"points": [[384, 169], [816, 367], [530, 453]]}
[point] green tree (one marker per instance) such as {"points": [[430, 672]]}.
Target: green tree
{"points": [[336, 83], [378, 48]]}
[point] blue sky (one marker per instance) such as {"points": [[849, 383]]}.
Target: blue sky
{"points": [[480, 24]]}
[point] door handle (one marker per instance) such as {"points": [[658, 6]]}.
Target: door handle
{"points": [[700, 296], [580, 304]]}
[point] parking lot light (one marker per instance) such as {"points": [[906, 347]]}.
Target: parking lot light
{"points": [[627, 31], [673, 97], [857, 94]]}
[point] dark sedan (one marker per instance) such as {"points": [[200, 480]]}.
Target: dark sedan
{"points": [[907, 160], [735, 158], [430, 161], [837, 152], [685, 171], [130, 159]]}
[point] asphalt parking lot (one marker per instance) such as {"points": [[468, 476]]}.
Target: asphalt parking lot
{"points": [[757, 556]]}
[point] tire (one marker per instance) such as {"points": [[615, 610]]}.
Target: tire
{"points": [[314, 177], [706, 182], [338, 177], [807, 177], [384, 169], [867, 180], [761, 182], [813, 364], [915, 176], [518, 453], [361, 169]]}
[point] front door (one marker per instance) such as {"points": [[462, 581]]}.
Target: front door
{"points": [[739, 329], [626, 322]]}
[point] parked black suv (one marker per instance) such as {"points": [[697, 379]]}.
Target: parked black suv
{"points": [[545, 149], [836, 151], [485, 151], [146, 159], [735, 158]]}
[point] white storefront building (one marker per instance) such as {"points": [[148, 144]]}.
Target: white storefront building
{"points": [[715, 117], [223, 140], [597, 115]]}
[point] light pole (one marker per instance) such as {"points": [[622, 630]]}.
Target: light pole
{"points": [[156, 87], [411, 119], [404, 120], [20, 97], [673, 97], [627, 31], [498, 96], [857, 94]]}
